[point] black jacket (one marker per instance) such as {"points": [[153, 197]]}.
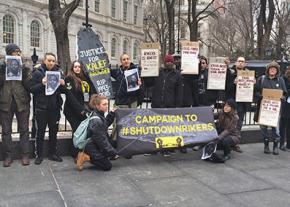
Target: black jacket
{"points": [[205, 97], [189, 90], [167, 91], [285, 113], [98, 131], [122, 97], [42, 101], [74, 103]]}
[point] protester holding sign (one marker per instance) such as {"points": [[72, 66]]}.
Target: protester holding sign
{"points": [[124, 97], [99, 150], [47, 107], [79, 88], [15, 99], [285, 115], [227, 126], [205, 97], [271, 80]]}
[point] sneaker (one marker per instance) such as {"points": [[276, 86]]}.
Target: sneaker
{"points": [[226, 157], [55, 157], [82, 158], [166, 154], [38, 160], [7, 162], [283, 148], [237, 148], [25, 160]]}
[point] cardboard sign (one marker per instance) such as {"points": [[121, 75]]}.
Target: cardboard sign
{"points": [[150, 59], [94, 57], [189, 57], [217, 73], [245, 85], [149, 130], [270, 107]]}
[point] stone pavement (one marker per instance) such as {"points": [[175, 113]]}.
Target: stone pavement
{"points": [[250, 179]]}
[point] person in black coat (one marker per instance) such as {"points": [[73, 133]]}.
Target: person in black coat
{"points": [[78, 91], [205, 97], [98, 150], [285, 115], [123, 97], [47, 108], [167, 91]]}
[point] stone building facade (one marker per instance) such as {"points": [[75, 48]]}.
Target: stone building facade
{"points": [[118, 23]]}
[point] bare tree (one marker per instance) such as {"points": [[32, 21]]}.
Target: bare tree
{"points": [[170, 16], [264, 25], [59, 14]]}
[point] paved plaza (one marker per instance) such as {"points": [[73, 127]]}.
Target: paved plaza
{"points": [[250, 179]]}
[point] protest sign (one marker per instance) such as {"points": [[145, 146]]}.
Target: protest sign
{"points": [[245, 86], [93, 56], [52, 82], [150, 61], [217, 72], [132, 78], [189, 57], [270, 107], [149, 130], [13, 68]]}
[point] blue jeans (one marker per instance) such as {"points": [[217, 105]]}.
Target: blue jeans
{"points": [[267, 136]]}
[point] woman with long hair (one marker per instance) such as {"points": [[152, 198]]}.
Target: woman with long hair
{"points": [[98, 150], [227, 126], [78, 91]]}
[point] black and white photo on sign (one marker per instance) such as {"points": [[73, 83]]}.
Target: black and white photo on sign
{"points": [[132, 77], [13, 68], [52, 82]]}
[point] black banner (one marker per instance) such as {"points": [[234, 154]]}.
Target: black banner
{"points": [[93, 56], [143, 131]]}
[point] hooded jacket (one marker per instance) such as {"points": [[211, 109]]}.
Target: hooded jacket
{"points": [[42, 101], [19, 90], [167, 92]]}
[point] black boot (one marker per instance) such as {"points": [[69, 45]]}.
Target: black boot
{"points": [[275, 148], [266, 146]]}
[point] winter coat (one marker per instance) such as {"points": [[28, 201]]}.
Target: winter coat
{"points": [[122, 96], [227, 125], [285, 111], [205, 97], [98, 131], [42, 101], [190, 90], [264, 81], [167, 91], [19, 90], [74, 102]]}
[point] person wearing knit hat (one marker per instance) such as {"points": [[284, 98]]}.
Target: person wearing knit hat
{"points": [[15, 100], [168, 59], [12, 48], [271, 80]]}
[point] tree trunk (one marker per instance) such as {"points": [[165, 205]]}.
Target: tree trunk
{"points": [[170, 14]]}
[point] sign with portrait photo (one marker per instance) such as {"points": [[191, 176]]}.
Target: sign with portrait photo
{"points": [[217, 72], [52, 82], [270, 107], [13, 68], [189, 57], [150, 61], [132, 77], [245, 86]]}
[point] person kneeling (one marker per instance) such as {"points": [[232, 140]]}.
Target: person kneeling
{"points": [[229, 134], [98, 151]]}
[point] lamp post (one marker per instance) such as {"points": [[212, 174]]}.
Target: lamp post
{"points": [[178, 28], [34, 57], [86, 24]]}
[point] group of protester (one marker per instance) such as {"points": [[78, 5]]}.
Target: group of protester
{"points": [[171, 89]]}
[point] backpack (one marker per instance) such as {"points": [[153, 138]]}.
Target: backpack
{"points": [[80, 138]]}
